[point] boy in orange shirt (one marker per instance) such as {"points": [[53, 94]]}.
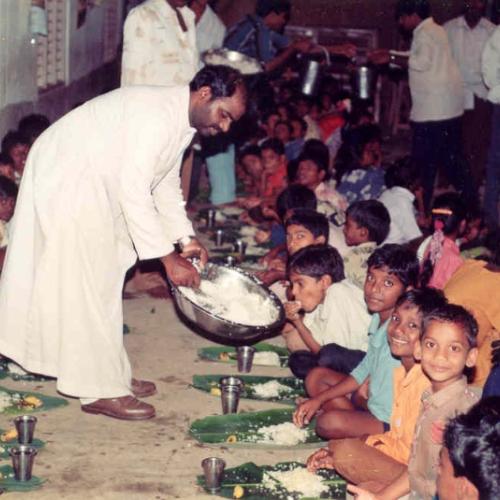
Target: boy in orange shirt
{"points": [[382, 457], [274, 162]]}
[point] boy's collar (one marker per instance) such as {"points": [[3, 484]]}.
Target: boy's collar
{"points": [[452, 391]]}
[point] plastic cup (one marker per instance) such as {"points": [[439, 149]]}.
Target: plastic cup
{"points": [[25, 426], [22, 461], [240, 247], [245, 358], [213, 468], [230, 397]]}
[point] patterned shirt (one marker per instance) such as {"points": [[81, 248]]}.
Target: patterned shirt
{"points": [[362, 184], [355, 263], [436, 408]]}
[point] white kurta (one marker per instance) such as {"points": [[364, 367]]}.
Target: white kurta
{"points": [[210, 31], [155, 49], [100, 187]]}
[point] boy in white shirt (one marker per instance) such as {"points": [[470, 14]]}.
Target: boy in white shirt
{"points": [[328, 312]]}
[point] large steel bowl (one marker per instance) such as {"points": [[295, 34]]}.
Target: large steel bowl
{"points": [[245, 64], [221, 327]]}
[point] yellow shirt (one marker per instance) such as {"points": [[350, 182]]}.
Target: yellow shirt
{"points": [[408, 389]]}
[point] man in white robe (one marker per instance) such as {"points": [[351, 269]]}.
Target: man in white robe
{"points": [[101, 187]]}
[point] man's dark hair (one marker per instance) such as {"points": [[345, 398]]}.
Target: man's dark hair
{"points": [[31, 126], [316, 261], [473, 443], [295, 196], [222, 80], [8, 188], [399, 260], [313, 221], [457, 315], [401, 173], [13, 138], [408, 7], [273, 144], [265, 7], [424, 299], [373, 216], [251, 150]]}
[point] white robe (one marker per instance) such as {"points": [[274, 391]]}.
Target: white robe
{"points": [[100, 187]]}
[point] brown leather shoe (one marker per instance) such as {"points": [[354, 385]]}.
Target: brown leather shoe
{"points": [[143, 388], [124, 408]]}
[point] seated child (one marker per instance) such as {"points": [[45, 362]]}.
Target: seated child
{"points": [[304, 227], [346, 411], [440, 252], [475, 286], [367, 226], [7, 167], [283, 132], [16, 147], [327, 309], [274, 162], [251, 162], [470, 457], [447, 347], [8, 194], [382, 457], [401, 179], [299, 129]]}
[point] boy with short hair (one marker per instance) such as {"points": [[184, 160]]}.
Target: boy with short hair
{"points": [[251, 161], [447, 347], [8, 194], [16, 146], [346, 412], [327, 309], [274, 162], [383, 457], [367, 226]]}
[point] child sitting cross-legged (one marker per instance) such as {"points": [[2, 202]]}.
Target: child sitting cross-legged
{"points": [[383, 457], [346, 409], [327, 310], [367, 226], [447, 347]]}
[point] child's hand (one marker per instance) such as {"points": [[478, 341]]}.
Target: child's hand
{"points": [[360, 493], [292, 310], [262, 236], [305, 412], [320, 459], [437, 431]]}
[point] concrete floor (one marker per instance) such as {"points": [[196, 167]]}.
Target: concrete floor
{"points": [[95, 457]]}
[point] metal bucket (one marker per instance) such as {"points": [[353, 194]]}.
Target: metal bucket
{"points": [[311, 77], [363, 82]]}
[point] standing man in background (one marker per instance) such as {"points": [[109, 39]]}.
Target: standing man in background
{"points": [[210, 30], [467, 35]]}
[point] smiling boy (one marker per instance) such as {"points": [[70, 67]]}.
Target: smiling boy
{"points": [[347, 412]]}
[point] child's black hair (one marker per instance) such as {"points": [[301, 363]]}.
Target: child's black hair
{"points": [[424, 299], [313, 221], [251, 150], [399, 260], [8, 188], [473, 443], [458, 315], [301, 121], [5, 159], [13, 138], [286, 124], [448, 213], [31, 126], [295, 196], [401, 173], [314, 148], [317, 261], [373, 216], [274, 145]]}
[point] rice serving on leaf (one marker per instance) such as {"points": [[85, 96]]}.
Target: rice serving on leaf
{"points": [[266, 358], [298, 480], [285, 434], [271, 389]]}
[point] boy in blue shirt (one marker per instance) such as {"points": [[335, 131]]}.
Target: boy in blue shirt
{"points": [[360, 403]]}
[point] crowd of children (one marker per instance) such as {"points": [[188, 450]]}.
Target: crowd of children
{"points": [[391, 311]]}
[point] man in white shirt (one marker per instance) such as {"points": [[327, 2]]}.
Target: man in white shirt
{"points": [[437, 98], [210, 30], [467, 35], [159, 44], [90, 204], [491, 75]]}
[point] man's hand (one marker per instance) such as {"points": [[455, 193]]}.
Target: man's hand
{"points": [[302, 44], [320, 459], [379, 56], [195, 249], [305, 412], [180, 271]]}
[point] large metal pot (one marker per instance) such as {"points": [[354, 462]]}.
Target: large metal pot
{"points": [[363, 81], [312, 73]]}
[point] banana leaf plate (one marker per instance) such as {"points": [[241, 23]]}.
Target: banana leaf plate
{"points": [[227, 354], [242, 430], [288, 388], [18, 402], [5, 371], [5, 446], [246, 481], [8, 482]]}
